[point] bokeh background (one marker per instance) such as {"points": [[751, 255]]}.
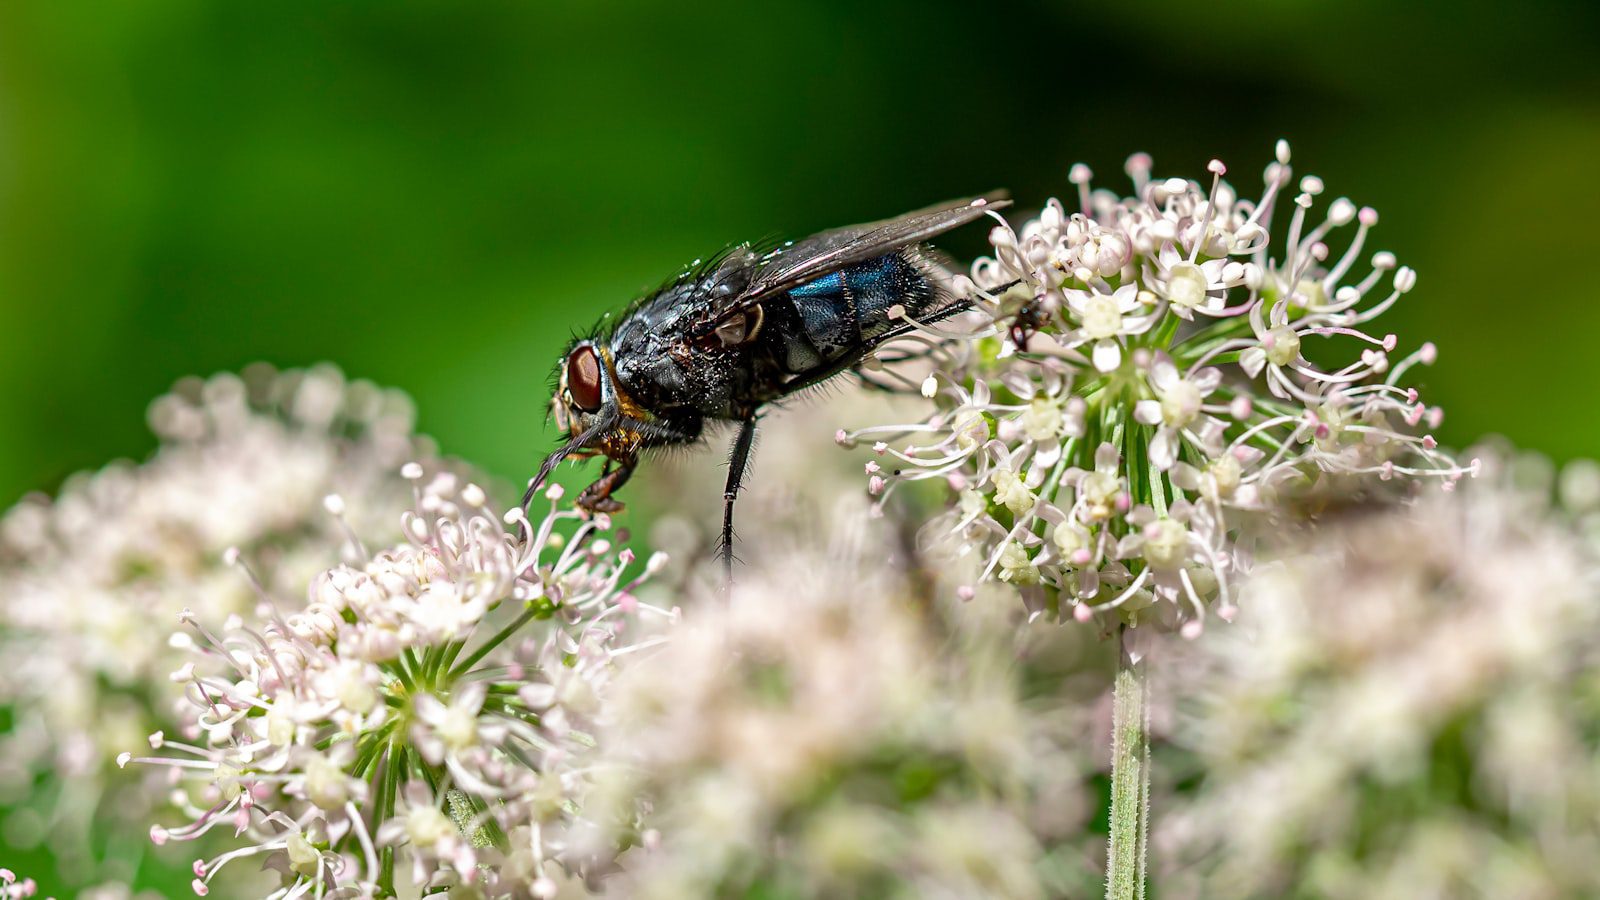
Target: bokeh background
{"points": [[435, 195]]}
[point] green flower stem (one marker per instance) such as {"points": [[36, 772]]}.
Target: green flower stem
{"points": [[386, 788], [495, 641], [1130, 782]]}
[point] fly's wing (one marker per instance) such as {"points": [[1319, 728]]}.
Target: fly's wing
{"points": [[822, 254]]}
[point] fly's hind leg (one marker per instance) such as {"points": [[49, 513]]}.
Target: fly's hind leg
{"points": [[597, 497], [738, 457]]}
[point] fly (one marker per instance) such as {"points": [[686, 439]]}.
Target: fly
{"points": [[747, 329]]}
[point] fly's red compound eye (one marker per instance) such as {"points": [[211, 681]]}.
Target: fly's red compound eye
{"points": [[583, 379]]}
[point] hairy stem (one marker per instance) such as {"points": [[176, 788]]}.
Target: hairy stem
{"points": [[1130, 783]]}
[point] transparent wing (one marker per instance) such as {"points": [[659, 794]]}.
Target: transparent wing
{"points": [[822, 254]]}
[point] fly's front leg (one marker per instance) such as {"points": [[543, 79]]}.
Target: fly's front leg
{"points": [[597, 497], [738, 457]]}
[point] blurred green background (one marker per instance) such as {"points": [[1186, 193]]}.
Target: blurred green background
{"points": [[434, 195]]}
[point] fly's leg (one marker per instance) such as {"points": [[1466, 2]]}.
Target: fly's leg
{"points": [[738, 457], [597, 497]]}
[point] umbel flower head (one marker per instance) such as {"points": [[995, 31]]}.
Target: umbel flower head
{"points": [[424, 720], [94, 577], [822, 733], [1154, 369], [1408, 706]]}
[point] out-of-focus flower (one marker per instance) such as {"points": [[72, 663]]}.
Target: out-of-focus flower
{"points": [[793, 481], [10, 887], [1147, 380], [824, 732], [95, 577], [425, 720], [1409, 707]]}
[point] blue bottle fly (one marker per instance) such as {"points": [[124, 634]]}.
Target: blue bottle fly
{"points": [[730, 337]]}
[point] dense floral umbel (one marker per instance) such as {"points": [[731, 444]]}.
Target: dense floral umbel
{"points": [[825, 734], [1152, 373], [94, 578], [1409, 707], [424, 720]]}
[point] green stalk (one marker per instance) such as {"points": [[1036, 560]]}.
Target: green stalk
{"points": [[496, 640], [387, 787], [1130, 782]]}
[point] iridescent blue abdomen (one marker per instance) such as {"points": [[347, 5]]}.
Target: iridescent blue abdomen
{"points": [[844, 313]]}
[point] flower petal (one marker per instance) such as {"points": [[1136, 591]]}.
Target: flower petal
{"points": [[1163, 374], [1164, 449], [1107, 355], [1252, 360]]}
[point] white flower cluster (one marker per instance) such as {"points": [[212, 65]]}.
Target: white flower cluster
{"points": [[1150, 370], [424, 720], [823, 734], [94, 577], [1408, 706]]}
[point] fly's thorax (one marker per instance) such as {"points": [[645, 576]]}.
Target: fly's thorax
{"points": [[651, 367], [671, 359]]}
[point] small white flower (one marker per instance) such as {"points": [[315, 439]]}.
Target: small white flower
{"points": [[1044, 418], [303, 857], [326, 783], [1016, 566], [1100, 492], [427, 827], [1010, 490], [1166, 543], [1179, 402], [1105, 319], [1191, 287]]}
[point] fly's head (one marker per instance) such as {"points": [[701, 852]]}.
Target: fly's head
{"points": [[599, 419], [589, 405]]}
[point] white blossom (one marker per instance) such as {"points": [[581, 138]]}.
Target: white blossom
{"points": [[95, 577], [771, 734], [1137, 393], [425, 720], [1405, 708]]}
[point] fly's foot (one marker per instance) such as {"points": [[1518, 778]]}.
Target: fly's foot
{"points": [[598, 497], [600, 504]]}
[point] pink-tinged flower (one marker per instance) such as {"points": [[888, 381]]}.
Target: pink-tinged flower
{"points": [[1189, 287], [95, 576], [1106, 319], [781, 735], [1177, 411], [1442, 652], [426, 704], [1138, 387], [11, 888]]}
